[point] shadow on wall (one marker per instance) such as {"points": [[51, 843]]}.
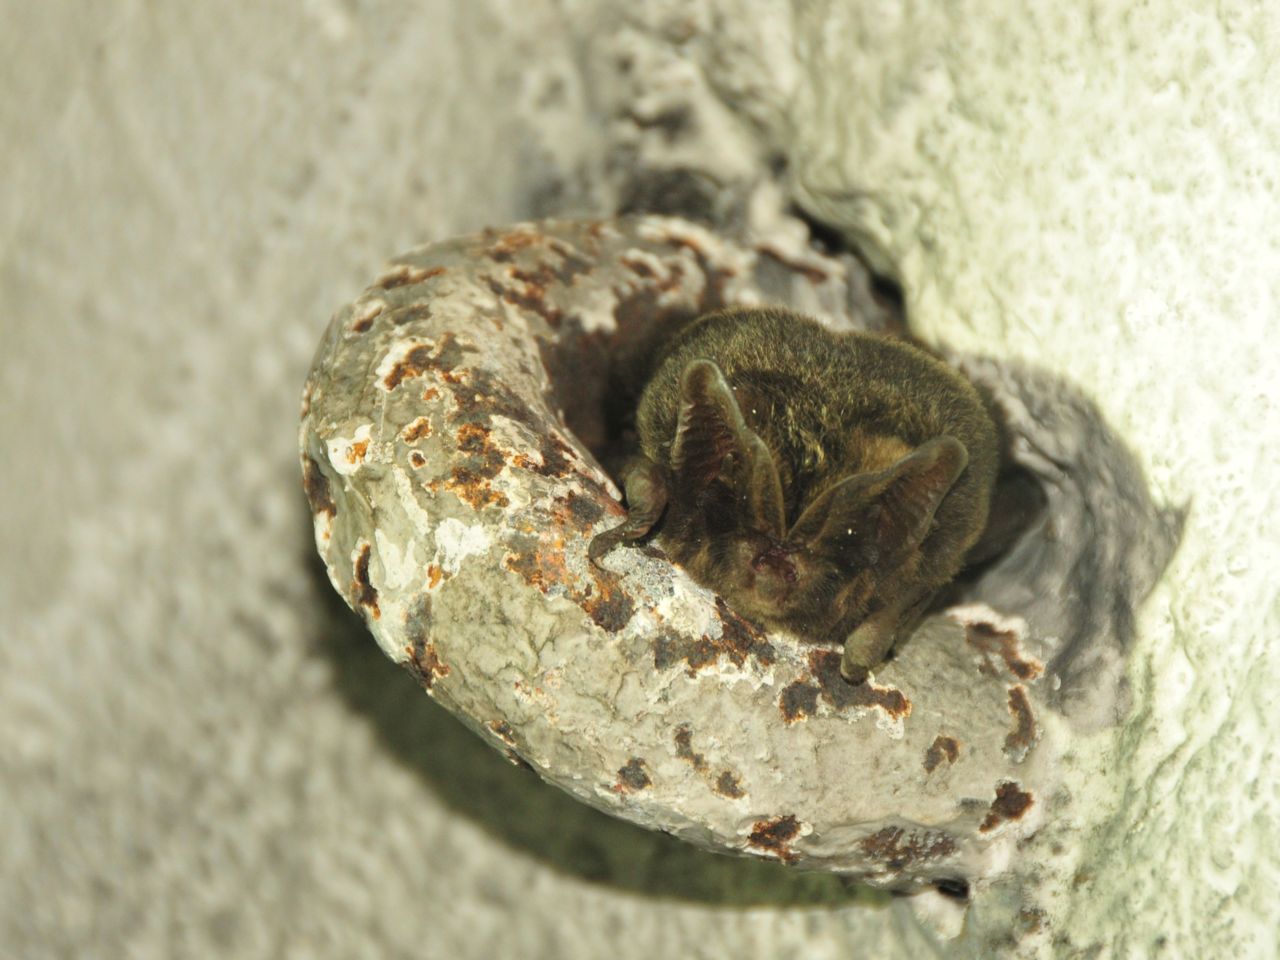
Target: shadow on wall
{"points": [[1100, 545], [517, 808]]}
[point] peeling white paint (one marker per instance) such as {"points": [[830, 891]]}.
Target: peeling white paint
{"points": [[455, 541]]}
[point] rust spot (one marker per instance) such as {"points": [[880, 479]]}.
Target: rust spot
{"points": [[717, 279], [609, 608], [475, 490], [404, 274], [638, 267], [632, 776], [555, 457], [417, 460], [415, 363], [424, 664], [808, 271], [365, 314], [943, 748], [489, 396], [798, 700], [540, 562], [825, 665], [413, 313], [1011, 803], [991, 643], [361, 586], [420, 429], [529, 295], [508, 244], [729, 785], [572, 263], [585, 510], [739, 639], [429, 394], [776, 836], [441, 357], [434, 575], [1020, 739], [1031, 920], [357, 450], [316, 485], [684, 747], [472, 474], [502, 730], [897, 848], [422, 661]]}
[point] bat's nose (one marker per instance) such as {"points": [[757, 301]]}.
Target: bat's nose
{"points": [[775, 562]]}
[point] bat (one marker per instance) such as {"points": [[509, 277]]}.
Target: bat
{"points": [[825, 484]]}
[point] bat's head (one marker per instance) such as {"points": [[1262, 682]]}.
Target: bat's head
{"points": [[727, 522], [794, 585]]}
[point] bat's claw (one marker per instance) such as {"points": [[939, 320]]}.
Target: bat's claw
{"points": [[853, 674], [605, 541]]}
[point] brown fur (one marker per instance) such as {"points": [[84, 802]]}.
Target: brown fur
{"points": [[826, 484]]}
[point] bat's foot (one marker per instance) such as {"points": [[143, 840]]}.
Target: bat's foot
{"points": [[627, 531], [646, 491], [876, 636], [870, 643], [865, 648]]}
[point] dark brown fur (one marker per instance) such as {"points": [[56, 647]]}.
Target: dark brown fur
{"points": [[826, 484]]}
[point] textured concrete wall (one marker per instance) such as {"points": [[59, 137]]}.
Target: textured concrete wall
{"points": [[206, 755]]}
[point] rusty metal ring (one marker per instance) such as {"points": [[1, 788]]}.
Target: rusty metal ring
{"points": [[449, 423]]}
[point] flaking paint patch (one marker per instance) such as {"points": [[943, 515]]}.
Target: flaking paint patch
{"points": [[348, 454], [898, 848], [1011, 803], [394, 359], [729, 785], [633, 776], [364, 594], [399, 567], [1025, 732], [364, 313], [943, 749], [405, 274], [997, 639], [455, 541], [407, 497], [420, 429], [775, 835]]}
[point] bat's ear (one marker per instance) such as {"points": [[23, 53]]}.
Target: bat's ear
{"points": [[875, 519], [909, 492], [713, 444]]}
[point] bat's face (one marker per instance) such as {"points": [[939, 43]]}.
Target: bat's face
{"points": [[790, 585], [804, 586], [726, 520]]}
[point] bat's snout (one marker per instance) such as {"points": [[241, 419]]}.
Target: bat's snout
{"points": [[775, 573]]}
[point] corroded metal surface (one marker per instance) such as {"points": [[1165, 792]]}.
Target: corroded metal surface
{"points": [[450, 429]]}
